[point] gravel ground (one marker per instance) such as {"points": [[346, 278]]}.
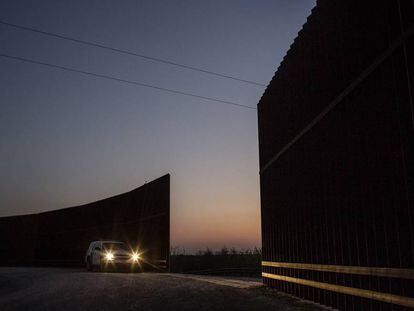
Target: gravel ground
{"points": [[69, 289]]}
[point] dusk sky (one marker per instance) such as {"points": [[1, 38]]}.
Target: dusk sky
{"points": [[67, 139]]}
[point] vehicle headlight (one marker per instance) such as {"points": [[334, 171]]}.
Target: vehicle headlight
{"points": [[109, 256], [135, 257]]}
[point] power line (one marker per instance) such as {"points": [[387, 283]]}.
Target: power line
{"points": [[155, 59], [26, 60]]}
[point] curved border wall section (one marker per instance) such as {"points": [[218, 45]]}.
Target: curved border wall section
{"points": [[140, 218]]}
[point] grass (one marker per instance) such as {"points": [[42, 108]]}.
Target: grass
{"points": [[224, 261]]}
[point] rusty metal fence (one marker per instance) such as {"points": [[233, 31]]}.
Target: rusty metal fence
{"points": [[336, 144], [140, 218]]}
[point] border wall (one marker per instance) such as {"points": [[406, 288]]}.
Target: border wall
{"points": [[140, 218], [336, 147]]}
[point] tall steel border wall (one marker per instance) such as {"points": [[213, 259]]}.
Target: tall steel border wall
{"points": [[140, 218], [336, 145]]}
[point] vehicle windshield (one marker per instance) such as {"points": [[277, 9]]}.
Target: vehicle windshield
{"points": [[115, 246]]}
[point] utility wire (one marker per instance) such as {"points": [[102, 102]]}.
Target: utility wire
{"points": [[26, 60], [155, 59]]}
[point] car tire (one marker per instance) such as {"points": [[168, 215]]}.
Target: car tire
{"points": [[101, 267], [88, 264]]}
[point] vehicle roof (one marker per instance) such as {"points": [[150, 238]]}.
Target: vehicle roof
{"points": [[107, 241]]}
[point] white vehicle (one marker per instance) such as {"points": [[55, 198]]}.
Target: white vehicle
{"points": [[110, 254]]}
